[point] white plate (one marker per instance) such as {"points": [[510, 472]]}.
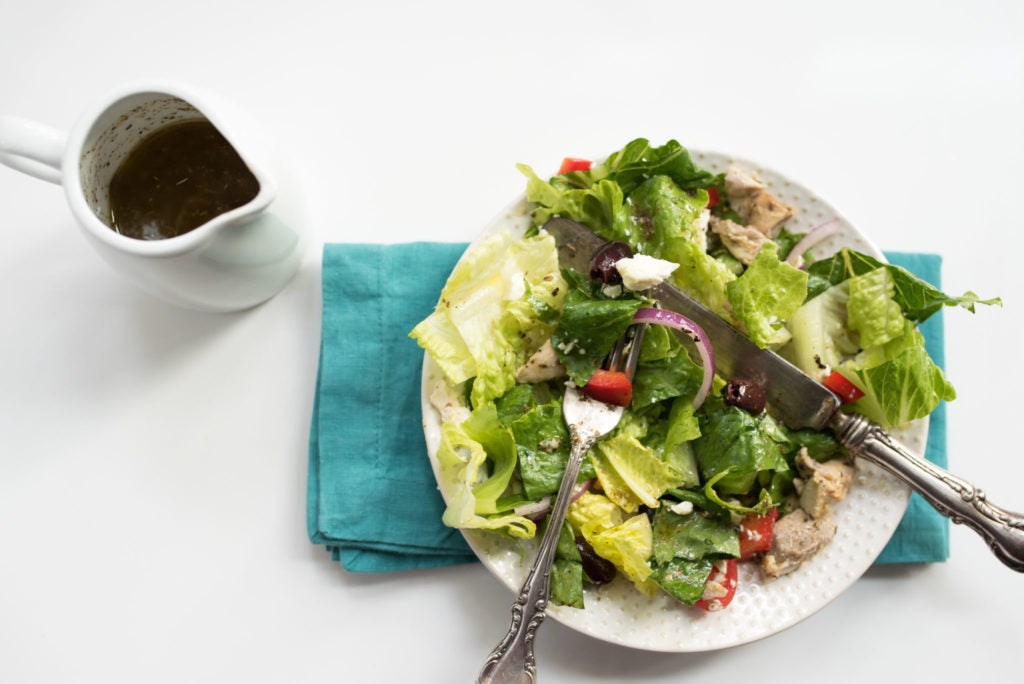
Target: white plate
{"points": [[619, 614]]}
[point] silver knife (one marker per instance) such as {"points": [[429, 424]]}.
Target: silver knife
{"points": [[800, 402]]}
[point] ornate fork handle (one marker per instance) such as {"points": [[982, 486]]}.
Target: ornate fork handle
{"points": [[513, 660], [953, 497]]}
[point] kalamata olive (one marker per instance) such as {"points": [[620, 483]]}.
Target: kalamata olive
{"points": [[599, 570], [602, 266], [745, 394]]}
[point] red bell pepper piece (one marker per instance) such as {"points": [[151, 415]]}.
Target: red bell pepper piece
{"points": [[722, 582], [574, 164], [846, 390], [611, 387], [713, 198], [756, 533]]}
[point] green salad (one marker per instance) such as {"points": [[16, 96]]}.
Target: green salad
{"points": [[697, 475]]}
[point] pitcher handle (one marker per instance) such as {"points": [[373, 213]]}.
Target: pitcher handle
{"points": [[31, 147]]}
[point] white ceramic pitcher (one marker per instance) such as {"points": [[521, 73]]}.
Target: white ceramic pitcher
{"points": [[233, 261]]}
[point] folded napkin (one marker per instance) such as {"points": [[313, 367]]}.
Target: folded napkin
{"points": [[372, 499]]}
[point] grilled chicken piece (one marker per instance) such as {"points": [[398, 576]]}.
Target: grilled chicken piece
{"points": [[543, 365], [767, 213], [758, 208], [826, 483], [795, 538], [739, 184], [743, 242]]}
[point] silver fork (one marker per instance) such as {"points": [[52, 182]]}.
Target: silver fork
{"points": [[588, 420]]}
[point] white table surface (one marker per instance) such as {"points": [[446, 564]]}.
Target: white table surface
{"points": [[153, 460]]}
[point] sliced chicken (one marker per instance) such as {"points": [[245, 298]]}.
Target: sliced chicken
{"points": [[795, 538], [739, 183], [743, 242], [760, 209], [543, 365], [767, 213], [826, 483]]}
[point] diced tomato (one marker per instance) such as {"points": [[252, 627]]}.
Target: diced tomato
{"points": [[611, 387], [574, 164], [846, 390], [712, 197], [719, 583], [756, 533]]}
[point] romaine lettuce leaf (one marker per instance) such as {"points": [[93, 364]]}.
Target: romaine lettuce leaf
{"points": [[595, 510], [491, 302], [917, 298], [906, 385], [472, 494], [567, 570], [590, 326], [692, 536], [675, 375], [631, 473], [682, 579], [542, 446], [661, 212], [701, 276], [638, 161], [567, 583], [767, 294], [739, 445], [871, 310], [600, 207], [821, 337], [627, 544]]}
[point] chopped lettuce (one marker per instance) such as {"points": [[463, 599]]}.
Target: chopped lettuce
{"points": [[692, 536], [906, 386], [917, 298], [767, 294], [471, 492], [567, 570], [662, 212], [672, 375], [871, 310], [599, 206], [487, 321], [735, 446], [627, 544], [631, 473], [683, 579], [820, 335], [567, 583], [542, 446], [591, 323], [638, 161]]}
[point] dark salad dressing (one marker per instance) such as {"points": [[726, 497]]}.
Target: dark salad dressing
{"points": [[175, 180]]}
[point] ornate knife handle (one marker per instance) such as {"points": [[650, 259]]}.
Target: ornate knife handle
{"points": [[512, 661], [953, 497]]}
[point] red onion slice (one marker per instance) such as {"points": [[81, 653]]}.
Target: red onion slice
{"points": [[580, 488], [534, 511], [813, 237], [680, 322]]}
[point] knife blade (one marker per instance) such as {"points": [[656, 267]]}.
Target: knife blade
{"points": [[800, 402], [793, 397]]}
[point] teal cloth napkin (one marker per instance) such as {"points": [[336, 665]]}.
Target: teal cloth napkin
{"points": [[372, 500]]}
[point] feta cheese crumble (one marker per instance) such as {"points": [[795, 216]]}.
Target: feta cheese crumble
{"points": [[682, 508], [643, 272]]}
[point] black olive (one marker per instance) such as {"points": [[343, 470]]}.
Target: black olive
{"points": [[745, 394], [602, 266], [599, 570]]}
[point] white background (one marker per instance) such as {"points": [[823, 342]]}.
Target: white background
{"points": [[153, 460]]}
